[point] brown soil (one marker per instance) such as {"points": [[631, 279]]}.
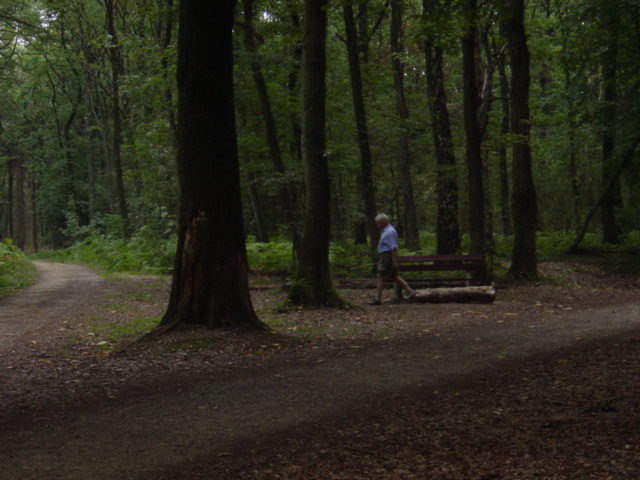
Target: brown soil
{"points": [[541, 384]]}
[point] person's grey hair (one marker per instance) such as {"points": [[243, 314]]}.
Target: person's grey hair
{"points": [[382, 217]]}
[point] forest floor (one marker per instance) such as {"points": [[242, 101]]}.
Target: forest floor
{"points": [[542, 384]]}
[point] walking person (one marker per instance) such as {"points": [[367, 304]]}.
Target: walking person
{"points": [[388, 264]]}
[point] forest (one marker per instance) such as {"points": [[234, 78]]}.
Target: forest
{"points": [[473, 125]]}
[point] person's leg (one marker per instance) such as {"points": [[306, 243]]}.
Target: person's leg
{"points": [[380, 288], [405, 286]]}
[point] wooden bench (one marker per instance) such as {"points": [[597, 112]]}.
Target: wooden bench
{"points": [[472, 265]]}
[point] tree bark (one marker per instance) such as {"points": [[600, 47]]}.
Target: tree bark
{"points": [[210, 281], [524, 263], [472, 131], [313, 284], [411, 235], [367, 189], [448, 230]]}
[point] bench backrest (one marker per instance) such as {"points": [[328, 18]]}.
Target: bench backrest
{"points": [[425, 263]]}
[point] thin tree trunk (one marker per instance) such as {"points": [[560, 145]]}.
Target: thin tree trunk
{"points": [[287, 195], [505, 211], [21, 207], [472, 131], [256, 206], [367, 189], [313, 281], [210, 280], [524, 263], [115, 56], [448, 231], [10, 203], [167, 35], [411, 235], [609, 79], [35, 246]]}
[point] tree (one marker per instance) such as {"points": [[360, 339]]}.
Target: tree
{"points": [[287, 195], [472, 130], [524, 263], [412, 238], [313, 280], [448, 230], [210, 283], [609, 112], [367, 189]]}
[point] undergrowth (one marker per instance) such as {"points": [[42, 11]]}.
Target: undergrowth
{"points": [[15, 269], [148, 252]]}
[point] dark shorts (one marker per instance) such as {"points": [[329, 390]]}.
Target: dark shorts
{"points": [[386, 270]]}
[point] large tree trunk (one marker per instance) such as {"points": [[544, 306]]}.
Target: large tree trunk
{"points": [[472, 131], [411, 235], [286, 193], [367, 190], [313, 284], [448, 231], [210, 282], [117, 68], [524, 263]]}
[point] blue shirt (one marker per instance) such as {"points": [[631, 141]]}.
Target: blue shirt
{"points": [[388, 240]]}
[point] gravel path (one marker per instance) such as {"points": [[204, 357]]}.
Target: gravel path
{"points": [[134, 438]]}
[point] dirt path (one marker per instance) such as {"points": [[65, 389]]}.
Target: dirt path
{"points": [[135, 438], [59, 291]]}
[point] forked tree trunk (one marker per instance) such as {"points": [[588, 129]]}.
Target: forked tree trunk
{"points": [[524, 263], [313, 284], [448, 230], [210, 284]]}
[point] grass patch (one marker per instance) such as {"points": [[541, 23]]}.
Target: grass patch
{"points": [[112, 335]]}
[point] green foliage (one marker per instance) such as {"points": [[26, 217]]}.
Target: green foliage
{"points": [[274, 257], [15, 270], [145, 252]]}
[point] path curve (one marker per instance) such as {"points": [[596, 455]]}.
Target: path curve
{"points": [[59, 289], [140, 437]]}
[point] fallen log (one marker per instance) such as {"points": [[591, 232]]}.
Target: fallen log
{"points": [[485, 294]]}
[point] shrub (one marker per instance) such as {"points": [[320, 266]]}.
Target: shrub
{"points": [[15, 270]]}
